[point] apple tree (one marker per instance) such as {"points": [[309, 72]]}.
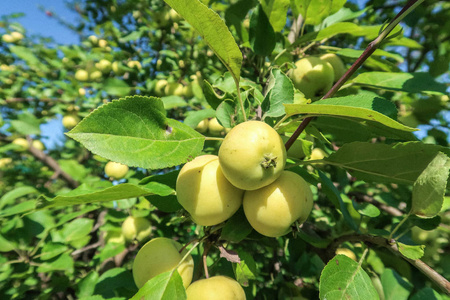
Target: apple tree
{"points": [[189, 149]]}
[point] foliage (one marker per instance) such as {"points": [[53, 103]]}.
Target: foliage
{"points": [[145, 74]]}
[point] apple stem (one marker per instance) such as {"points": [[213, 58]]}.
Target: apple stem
{"points": [[410, 6]]}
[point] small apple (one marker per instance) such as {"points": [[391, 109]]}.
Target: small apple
{"points": [[202, 127], [117, 68], [102, 43], [188, 92], [337, 64], [104, 65], [134, 64], [317, 154], [38, 145], [160, 87], [114, 237], [17, 36], [5, 161], [161, 255], [7, 38], [215, 288], [174, 16], [81, 92], [347, 252], [116, 170], [22, 144], [95, 75], [70, 121], [82, 75], [296, 150], [93, 40], [312, 76], [173, 88], [136, 228], [215, 128]]}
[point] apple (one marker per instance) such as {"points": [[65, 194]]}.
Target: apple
{"points": [[114, 237], [205, 193], [102, 43], [70, 121], [215, 128], [17, 36], [7, 38], [117, 68], [296, 149], [38, 145], [93, 40], [317, 154], [134, 64], [22, 144], [5, 161], [173, 88], [160, 87], [188, 92], [161, 255], [215, 288], [116, 170], [81, 92], [174, 16], [347, 252], [202, 127], [271, 210], [136, 228], [82, 75], [337, 64], [95, 75], [312, 76], [104, 66]]}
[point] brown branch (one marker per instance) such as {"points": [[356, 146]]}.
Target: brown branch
{"points": [[389, 209], [295, 29], [87, 248], [49, 161]]}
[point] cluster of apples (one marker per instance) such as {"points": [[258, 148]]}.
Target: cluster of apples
{"points": [[12, 37], [212, 126], [248, 171], [167, 88], [315, 75]]}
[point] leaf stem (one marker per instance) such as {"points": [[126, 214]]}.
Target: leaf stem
{"points": [[241, 103], [209, 138], [399, 225]]}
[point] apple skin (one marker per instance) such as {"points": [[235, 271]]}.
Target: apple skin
{"points": [[215, 288], [312, 76], [161, 255], [205, 193], [117, 68], [82, 75], [102, 43], [70, 121], [134, 64], [317, 154], [202, 127], [252, 155], [271, 210], [347, 252], [136, 228], [93, 40], [174, 88], [104, 66], [7, 38], [22, 143], [95, 75], [160, 86], [38, 145], [81, 92], [215, 128], [114, 237], [116, 170], [337, 64]]}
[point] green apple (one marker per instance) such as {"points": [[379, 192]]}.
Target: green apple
{"points": [[215, 288], [17, 36], [317, 154], [296, 150], [22, 144], [82, 75], [102, 43], [215, 128], [81, 92], [104, 65], [70, 121], [136, 228], [312, 76], [7, 38], [174, 88], [116, 170], [134, 64], [95, 75], [347, 252], [161, 255], [202, 127], [174, 16], [38, 145], [117, 68], [337, 64], [188, 92], [114, 237], [93, 40], [160, 87]]}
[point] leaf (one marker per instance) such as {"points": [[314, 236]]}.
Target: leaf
{"points": [[51, 250], [165, 286], [411, 251], [429, 188], [77, 229], [18, 208], [84, 194], [116, 87], [63, 262], [113, 280], [26, 124], [246, 269], [399, 163], [195, 117], [405, 82], [237, 228], [12, 195], [171, 102], [213, 30], [28, 56], [318, 10], [366, 209], [428, 294], [343, 14], [280, 91], [230, 255], [343, 278], [394, 286], [276, 11], [353, 53], [164, 202], [134, 131], [261, 36]]}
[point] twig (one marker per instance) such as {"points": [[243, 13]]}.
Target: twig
{"points": [[204, 258], [87, 248], [389, 209]]}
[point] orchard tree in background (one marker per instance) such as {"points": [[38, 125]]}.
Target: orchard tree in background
{"points": [[241, 149]]}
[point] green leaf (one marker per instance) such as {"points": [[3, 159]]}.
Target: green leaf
{"points": [[22, 207], [353, 53], [73, 168], [395, 287], [113, 281], [63, 262], [116, 87], [85, 194], [276, 11], [405, 82], [246, 269], [171, 102], [343, 278], [318, 10], [85, 287], [164, 202], [261, 36], [195, 117], [366, 209], [398, 163], [343, 14], [77, 229], [11, 196], [411, 251], [51, 250], [237, 228], [134, 131], [26, 124], [28, 56], [213, 30], [280, 91], [428, 294], [5, 245], [165, 286], [429, 188]]}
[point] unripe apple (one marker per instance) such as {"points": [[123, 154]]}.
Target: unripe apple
{"points": [[82, 75], [188, 92], [81, 92], [134, 64], [173, 88], [202, 127], [312, 76], [114, 237], [296, 150], [7, 38], [160, 87], [38, 145], [347, 252], [116, 170], [317, 154], [22, 143], [93, 40], [158, 256], [17, 36], [215, 128], [70, 121], [272, 209], [104, 65], [337, 64], [215, 288], [5, 161], [205, 193], [117, 68], [174, 16], [181, 64], [102, 43], [95, 75], [136, 228]]}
